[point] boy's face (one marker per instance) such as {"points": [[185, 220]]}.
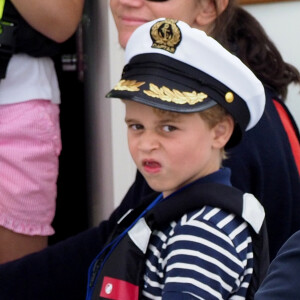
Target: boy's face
{"points": [[170, 150], [130, 14]]}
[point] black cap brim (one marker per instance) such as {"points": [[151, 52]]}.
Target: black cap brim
{"points": [[167, 84]]}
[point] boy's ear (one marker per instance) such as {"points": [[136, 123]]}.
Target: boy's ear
{"points": [[208, 13], [223, 131]]}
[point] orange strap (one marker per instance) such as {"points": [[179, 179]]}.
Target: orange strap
{"points": [[287, 124]]}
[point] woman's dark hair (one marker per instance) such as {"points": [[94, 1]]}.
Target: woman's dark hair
{"points": [[240, 33]]}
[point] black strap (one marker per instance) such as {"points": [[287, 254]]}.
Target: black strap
{"points": [[8, 25], [4, 60], [195, 198]]}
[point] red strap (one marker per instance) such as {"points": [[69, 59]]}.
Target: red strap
{"points": [[287, 124]]}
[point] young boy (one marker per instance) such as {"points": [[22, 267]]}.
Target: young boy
{"points": [[186, 99]]}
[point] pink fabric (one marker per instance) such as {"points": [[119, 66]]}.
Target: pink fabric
{"points": [[29, 148]]}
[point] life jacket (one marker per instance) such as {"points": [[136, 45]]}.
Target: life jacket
{"points": [[17, 36], [117, 272]]}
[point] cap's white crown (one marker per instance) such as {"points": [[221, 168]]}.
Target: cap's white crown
{"points": [[207, 55]]}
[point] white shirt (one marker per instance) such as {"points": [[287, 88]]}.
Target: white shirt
{"points": [[29, 78]]}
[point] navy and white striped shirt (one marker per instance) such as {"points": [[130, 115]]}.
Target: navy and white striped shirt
{"points": [[207, 254]]}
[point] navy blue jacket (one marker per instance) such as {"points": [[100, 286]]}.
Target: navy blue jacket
{"points": [[282, 281], [262, 164]]}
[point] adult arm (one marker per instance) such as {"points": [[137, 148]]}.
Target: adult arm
{"points": [[56, 19], [282, 281]]}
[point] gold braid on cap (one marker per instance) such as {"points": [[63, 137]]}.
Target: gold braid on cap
{"points": [[163, 93], [128, 85], [175, 96]]}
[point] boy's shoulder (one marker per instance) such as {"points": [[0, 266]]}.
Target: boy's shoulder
{"points": [[213, 224], [215, 217]]}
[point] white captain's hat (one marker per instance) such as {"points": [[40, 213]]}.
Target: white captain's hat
{"points": [[174, 67]]}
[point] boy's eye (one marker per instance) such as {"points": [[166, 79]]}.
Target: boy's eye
{"points": [[169, 128], [136, 126]]}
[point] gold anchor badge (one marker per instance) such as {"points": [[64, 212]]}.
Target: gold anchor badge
{"points": [[166, 35]]}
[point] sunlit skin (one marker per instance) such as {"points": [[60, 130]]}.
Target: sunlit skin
{"points": [[173, 150], [129, 14]]}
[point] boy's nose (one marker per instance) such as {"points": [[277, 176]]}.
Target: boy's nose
{"points": [[148, 142]]}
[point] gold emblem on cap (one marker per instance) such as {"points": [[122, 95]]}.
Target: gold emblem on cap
{"points": [[166, 35], [174, 96], [229, 97], [128, 85]]}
